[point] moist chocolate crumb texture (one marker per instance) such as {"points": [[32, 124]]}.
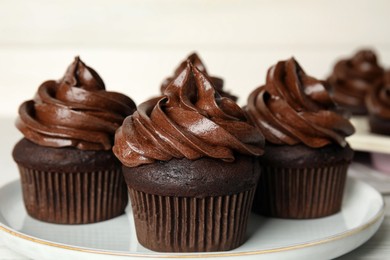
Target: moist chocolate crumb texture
{"points": [[190, 163], [306, 155], [68, 172], [353, 78], [197, 62]]}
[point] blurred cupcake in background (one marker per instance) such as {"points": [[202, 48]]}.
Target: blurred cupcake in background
{"points": [[378, 105], [353, 78]]}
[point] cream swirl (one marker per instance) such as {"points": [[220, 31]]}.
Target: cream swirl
{"points": [[293, 108], [75, 111], [197, 62], [191, 120], [378, 99], [353, 78]]}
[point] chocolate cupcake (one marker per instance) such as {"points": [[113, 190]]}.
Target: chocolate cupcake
{"points": [[190, 163], [197, 62], [378, 105], [306, 156], [69, 174], [352, 78]]}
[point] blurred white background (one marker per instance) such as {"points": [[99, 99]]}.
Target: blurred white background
{"points": [[134, 45]]}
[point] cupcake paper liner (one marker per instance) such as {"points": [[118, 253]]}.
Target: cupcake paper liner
{"points": [[73, 198], [300, 193], [185, 224]]}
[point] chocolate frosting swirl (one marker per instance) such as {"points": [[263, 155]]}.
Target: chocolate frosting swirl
{"points": [[353, 78], [378, 99], [197, 62], [293, 108], [191, 120], [75, 111]]}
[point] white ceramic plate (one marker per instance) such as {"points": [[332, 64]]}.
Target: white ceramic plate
{"points": [[365, 141], [267, 238]]}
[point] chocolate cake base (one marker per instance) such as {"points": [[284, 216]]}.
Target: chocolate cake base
{"points": [[379, 125], [70, 186], [355, 110], [299, 182], [192, 206]]}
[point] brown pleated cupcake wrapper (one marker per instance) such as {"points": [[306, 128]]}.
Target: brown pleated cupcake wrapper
{"points": [[300, 193], [73, 198], [183, 224]]}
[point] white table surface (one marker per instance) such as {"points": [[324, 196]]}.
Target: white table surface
{"points": [[378, 247]]}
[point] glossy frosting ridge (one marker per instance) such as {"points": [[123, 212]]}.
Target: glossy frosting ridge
{"points": [[293, 108], [191, 120], [197, 62], [75, 111], [352, 78]]}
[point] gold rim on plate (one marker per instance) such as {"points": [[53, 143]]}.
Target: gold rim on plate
{"points": [[342, 235]]}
